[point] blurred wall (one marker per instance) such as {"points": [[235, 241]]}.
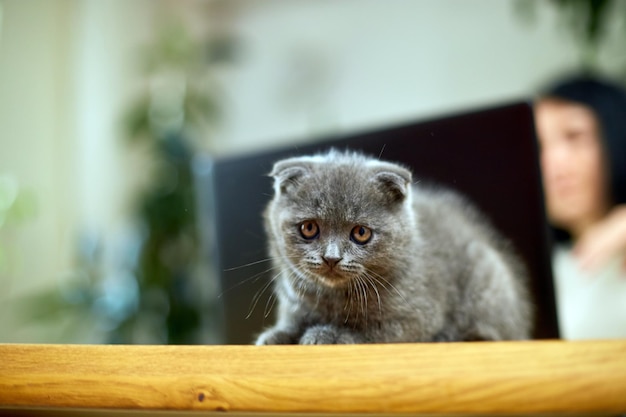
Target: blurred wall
{"points": [[66, 73], [35, 139], [312, 67]]}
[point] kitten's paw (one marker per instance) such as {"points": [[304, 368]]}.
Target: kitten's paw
{"points": [[276, 336], [327, 335]]}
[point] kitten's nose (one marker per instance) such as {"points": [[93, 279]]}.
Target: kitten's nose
{"points": [[331, 261]]}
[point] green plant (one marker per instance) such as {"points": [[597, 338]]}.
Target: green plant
{"points": [[148, 294], [16, 206], [587, 22], [178, 104]]}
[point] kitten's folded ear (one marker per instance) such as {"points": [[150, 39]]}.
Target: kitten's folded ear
{"points": [[287, 173], [393, 180]]}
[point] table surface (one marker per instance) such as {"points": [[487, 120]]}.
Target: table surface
{"points": [[535, 377]]}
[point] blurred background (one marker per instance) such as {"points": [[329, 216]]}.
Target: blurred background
{"points": [[103, 105]]}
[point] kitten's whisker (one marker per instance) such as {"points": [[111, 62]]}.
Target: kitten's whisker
{"points": [[299, 284], [318, 293], [363, 286], [348, 292], [260, 261], [267, 311], [357, 296], [362, 297], [380, 155], [253, 278], [349, 301], [382, 281], [256, 298], [373, 284], [259, 294]]}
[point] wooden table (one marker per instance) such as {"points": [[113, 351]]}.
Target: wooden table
{"points": [[539, 377]]}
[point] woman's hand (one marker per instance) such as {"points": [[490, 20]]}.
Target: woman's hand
{"points": [[603, 241]]}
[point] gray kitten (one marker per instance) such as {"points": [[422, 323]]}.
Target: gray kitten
{"points": [[363, 256]]}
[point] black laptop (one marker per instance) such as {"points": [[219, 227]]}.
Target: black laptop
{"points": [[489, 155]]}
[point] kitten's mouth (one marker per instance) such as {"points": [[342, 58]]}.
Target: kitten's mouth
{"points": [[332, 278]]}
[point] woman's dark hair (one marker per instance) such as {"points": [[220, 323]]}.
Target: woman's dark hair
{"points": [[608, 102]]}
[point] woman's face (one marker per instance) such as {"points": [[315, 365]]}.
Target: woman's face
{"points": [[572, 161]]}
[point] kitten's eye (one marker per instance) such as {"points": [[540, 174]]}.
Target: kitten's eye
{"points": [[309, 229], [361, 235]]}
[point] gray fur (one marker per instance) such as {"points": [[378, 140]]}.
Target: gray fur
{"points": [[434, 269]]}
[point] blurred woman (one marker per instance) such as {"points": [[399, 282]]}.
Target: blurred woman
{"points": [[581, 126]]}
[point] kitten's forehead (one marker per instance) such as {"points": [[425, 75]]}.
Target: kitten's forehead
{"points": [[342, 186], [333, 186], [339, 162], [341, 175]]}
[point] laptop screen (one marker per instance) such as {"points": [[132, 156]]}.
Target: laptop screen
{"points": [[488, 155]]}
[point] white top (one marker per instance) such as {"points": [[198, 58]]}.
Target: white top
{"points": [[590, 305]]}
